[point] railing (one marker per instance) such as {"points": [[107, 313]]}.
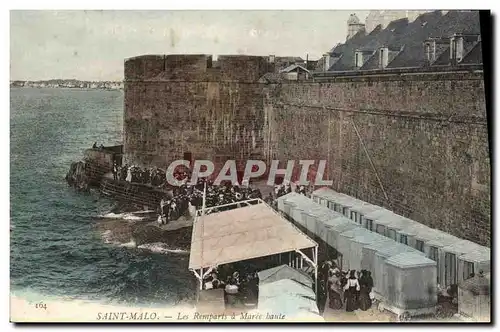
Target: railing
{"points": [[210, 209]]}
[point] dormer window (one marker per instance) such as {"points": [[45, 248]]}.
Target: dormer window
{"points": [[357, 61]]}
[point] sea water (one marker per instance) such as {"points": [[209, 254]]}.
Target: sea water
{"points": [[58, 246]]}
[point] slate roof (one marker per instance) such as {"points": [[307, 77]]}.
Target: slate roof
{"points": [[444, 27], [406, 40], [346, 61], [443, 58], [373, 62], [394, 31], [475, 55]]}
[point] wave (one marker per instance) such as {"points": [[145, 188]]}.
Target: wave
{"points": [[130, 244], [162, 248], [143, 212], [125, 216], [156, 247]]}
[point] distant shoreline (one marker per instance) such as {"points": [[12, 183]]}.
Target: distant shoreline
{"points": [[69, 84], [64, 88]]}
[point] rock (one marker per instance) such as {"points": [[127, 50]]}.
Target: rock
{"points": [[77, 176]]}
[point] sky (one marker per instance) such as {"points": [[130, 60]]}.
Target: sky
{"points": [[92, 45]]}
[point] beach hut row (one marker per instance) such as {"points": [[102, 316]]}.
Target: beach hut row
{"points": [[404, 278], [457, 259]]}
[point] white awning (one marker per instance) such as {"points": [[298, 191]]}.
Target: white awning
{"points": [[243, 233]]}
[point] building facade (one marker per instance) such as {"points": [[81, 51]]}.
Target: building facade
{"points": [[414, 139]]}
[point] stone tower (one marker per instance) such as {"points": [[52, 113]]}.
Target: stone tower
{"points": [[353, 26]]}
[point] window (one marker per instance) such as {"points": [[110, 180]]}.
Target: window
{"points": [[345, 212], [391, 234], [382, 58], [360, 219], [403, 239], [369, 224], [357, 60], [419, 245], [468, 270]]}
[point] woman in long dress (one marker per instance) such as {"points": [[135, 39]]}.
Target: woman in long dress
{"points": [[129, 175], [334, 291], [366, 284], [351, 288]]}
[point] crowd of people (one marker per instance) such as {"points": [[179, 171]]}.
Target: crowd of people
{"points": [[237, 291], [186, 199], [153, 176], [350, 289]]}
